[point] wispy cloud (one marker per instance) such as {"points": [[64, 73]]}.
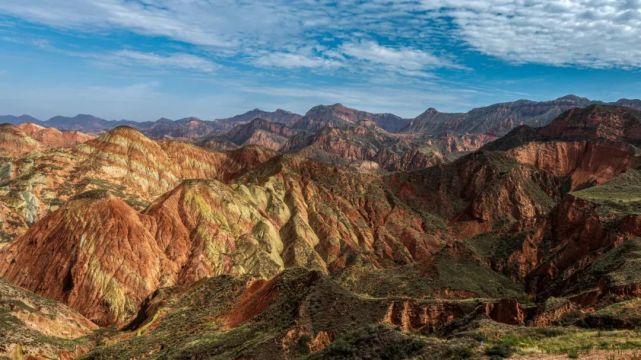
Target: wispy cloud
{"points": [[174, 60], [594, 33], [400, 58], [353, 51], [225, 23], [296, 61], [267, 34], [360, 56], [590, 33]]}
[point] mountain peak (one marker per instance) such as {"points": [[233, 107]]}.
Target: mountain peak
{"points": [[430, 111], [127, 132], [572, 98]]}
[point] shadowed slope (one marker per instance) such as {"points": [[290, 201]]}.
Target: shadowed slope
{"points": [[586, 146], [95, 254]]}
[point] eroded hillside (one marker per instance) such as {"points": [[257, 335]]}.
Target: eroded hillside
{"points": [[525, 245]]}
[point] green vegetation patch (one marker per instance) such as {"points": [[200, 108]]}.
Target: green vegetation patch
{"points": [[407, 280], [621, 315], [460, 273], [622, 195], [502, 340], [497, 246], [373, 342]]}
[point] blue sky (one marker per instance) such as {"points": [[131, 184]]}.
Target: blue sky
{"points": [[141, 60]]}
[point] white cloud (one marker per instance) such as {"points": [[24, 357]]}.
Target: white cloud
{"points": [[41, 43], [593, 33], [296, 61], [175, 60], [363, 56], [402, 57], [590, 33], [224, 23], [268, 33]]}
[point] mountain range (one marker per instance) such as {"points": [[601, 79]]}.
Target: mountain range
{"points": [[495, 119], [513, 229]]}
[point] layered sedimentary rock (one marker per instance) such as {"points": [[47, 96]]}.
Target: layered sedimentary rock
{"points": [[32, 325], [261, 132], [366, 142], [251, 252], [587, 146], [287, 212], [52, 137], [14, 142], [340, 116], [123, 161], [95, 254], [295, 313], [497, 119]]}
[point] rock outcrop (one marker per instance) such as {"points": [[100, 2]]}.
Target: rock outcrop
{"points": [[339, 116], [586, 146], [497, 119], [35, 327], [123, 161], [14, 142], [261, 132], [366, 142], [54, 138], [95, 254]]}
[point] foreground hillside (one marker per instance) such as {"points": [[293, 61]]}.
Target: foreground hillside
{"points": [[163, 249]]}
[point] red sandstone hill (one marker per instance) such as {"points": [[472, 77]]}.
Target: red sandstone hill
{"points": [[247, 252], [286, 212], [366, 146], [52, 137], [497, 119], [19, 140], [123, 161], [338, 115], [586, 146], [95, 254], [261, 132]]}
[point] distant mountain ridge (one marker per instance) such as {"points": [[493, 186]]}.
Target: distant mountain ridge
{"points": [[189, 127], [496, 120], [278, 116], [338, 115], [499, 119]]}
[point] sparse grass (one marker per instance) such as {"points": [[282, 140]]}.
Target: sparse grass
{"points": [[463, 274], [621, 195], [14, 331], [496, 246], [400, 281], [554, 340], [375, 341], [621, 315]]}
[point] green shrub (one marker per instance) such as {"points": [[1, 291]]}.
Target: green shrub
{"points": [[303, 344], [499, 351]]}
